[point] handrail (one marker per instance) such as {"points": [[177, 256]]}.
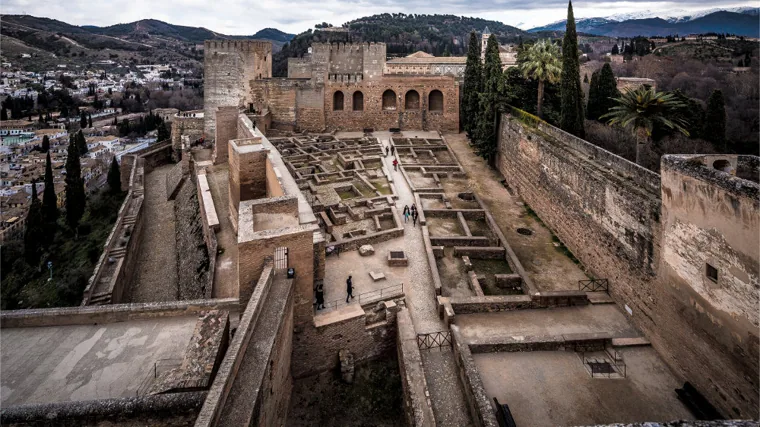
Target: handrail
{"points": [[434, 340], [594, 285]]}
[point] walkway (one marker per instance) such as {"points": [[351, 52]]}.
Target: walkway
{"points": [[156, 277], [448, 399]]}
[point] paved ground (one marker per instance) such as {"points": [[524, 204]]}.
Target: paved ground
{"points": [[549, 268], [156, 278], [554, 389], [85, 362], [226, 273], [554, 321]]}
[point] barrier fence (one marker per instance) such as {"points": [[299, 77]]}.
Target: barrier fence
{"points": [[434, 340], [368, 297], [594, 285]]}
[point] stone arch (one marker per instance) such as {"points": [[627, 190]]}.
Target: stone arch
{"points": [[389, 100], [412, 100], [358, 99], [435, 100], [338, 101]]}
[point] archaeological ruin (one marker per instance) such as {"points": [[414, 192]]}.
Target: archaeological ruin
{"points": [[566, 286]]}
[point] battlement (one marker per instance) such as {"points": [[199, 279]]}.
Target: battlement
{"points": [[344, 47], [216, 46], [345, 78]]}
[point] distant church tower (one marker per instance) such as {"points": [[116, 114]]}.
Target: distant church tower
{"points": [[483, 43]]}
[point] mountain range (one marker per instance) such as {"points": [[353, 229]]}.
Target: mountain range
{"points": [[738, 21]]}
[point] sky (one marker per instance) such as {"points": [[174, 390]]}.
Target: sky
{"points": [[246, 17]]}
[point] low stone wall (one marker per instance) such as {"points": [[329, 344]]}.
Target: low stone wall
{"points": [[496, 303], [479, 241], [172, 409], [431, 260], [110, 313], [194, 265], [175, 178], [417, 406], [565, 342], [474, 252], [380, 236], [481, 411]]}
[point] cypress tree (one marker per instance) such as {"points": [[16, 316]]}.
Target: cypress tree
{"points": [[3, 114], [34, 232], [571, 119], [485, 132], [83, 120], [81, 143], [49, 201], [75, 196], [602, 96], [163, 134], [89, 120], [45, 144], [592, 112], [114, 176], [473, 83], [715, 120]]}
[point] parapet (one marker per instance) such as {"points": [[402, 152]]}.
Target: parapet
{"points": [[736, 174], [214, 46]]}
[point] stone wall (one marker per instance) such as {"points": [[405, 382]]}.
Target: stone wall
{"points": [[417, 406], [607, 211], [186, 123], [366, 333], [226, 129], [109, 314], [193, 273], [172, 409], [175, 178], [481, 411]]}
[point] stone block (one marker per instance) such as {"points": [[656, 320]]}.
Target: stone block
{"points": [[366, 250], [397, 259], [376, 276]]}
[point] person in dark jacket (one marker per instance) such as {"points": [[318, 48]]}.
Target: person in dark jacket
{"points": [[320, 297], [349, 289]]}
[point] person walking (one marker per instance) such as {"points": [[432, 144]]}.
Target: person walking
{"points": [[414, 218], [395, 164], [349, 289], [413, 210], [320, 297], [393, 150], [387, 151], [406, 213]]}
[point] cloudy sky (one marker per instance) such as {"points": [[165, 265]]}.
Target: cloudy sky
{"points": [[245, 17]]}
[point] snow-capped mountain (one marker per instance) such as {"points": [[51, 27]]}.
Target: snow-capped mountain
{"points": [[740, 21]]}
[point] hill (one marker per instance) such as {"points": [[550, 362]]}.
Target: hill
{"points": [[739, 23], [403, 34], [52, 42]]}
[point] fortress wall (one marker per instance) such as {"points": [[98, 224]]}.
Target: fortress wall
{"points": [[188, 123], [606, 210]]}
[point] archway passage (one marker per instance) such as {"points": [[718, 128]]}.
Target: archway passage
{"points": [[389, 100], [435, 101], [412, 100], [358, 101], [338, 101]]}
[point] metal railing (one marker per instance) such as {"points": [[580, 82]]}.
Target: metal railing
{"points": [[594, 285], [605, 367], [434, 340], [367, 297]]}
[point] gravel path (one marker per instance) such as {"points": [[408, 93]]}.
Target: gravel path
{"points": [[156, 277]]}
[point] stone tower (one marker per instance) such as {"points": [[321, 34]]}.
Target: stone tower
{"points": [[229, 67], [483, 43]]}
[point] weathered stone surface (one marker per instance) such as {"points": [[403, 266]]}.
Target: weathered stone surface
{"points": [[366, 250], [377, 276], [346, 366]]}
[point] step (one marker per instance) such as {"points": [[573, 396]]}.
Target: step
{"points": [[599, 298], [630, 342]]}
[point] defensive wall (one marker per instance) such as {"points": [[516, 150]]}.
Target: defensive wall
{"points": [[186, 125], [653, 237]]}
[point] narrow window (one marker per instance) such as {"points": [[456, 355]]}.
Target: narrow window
{"points": [[711, 273], [338, 101]]}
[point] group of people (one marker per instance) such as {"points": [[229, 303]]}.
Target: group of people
{"points": [[411, 212], [320, 293]]}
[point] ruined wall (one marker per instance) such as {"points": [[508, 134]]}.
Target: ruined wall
{"points": [[193, 274], [229, 67], [606, 210], [187, 123], [299, 68], [247, 174], [365, 332], [279, 97]]}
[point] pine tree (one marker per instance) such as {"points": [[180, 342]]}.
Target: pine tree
{"points": [[49, 202], [34, 232], [81, 143], [715, 120], [114, 177], [45, 144], [602, 96], [571, 119], [75, 196], [473, 83], [485, 131], [163, 133]]}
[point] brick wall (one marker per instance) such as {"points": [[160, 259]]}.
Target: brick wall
{"points": [[607, 212]]}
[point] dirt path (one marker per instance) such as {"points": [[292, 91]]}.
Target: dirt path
{"points": [[541, 255], [157, 266]]}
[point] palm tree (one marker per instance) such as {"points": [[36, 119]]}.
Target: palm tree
{"points": [[542, 62], [642, 108]]}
